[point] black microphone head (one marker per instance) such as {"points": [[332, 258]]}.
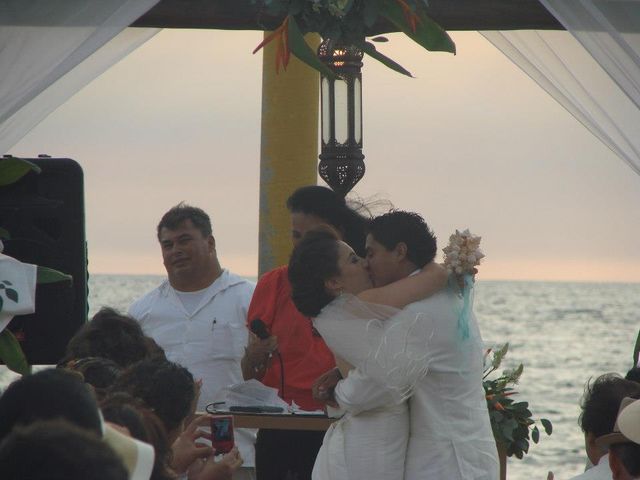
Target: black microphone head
{"points": [[260, 329]]}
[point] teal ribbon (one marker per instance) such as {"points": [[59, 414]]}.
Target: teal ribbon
{"points": [[464, 311], [467, 303]]}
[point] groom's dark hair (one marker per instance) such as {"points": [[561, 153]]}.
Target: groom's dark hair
{"points": [[408, 227]]}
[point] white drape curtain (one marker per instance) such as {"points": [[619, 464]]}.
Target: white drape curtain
{"points": [[592, 69], [50, 49]]}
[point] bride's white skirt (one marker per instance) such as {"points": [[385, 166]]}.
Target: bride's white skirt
{"points": [[371, 445]]}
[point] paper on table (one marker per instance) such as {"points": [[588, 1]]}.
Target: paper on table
{"points": [[251, 393]]}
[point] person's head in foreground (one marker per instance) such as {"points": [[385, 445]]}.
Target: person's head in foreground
{"points": [[600, 405], [314, 205], [321, 268], [99, 373], [109, 335], [188, 248], [141, 423], [624, 442], [398, 243], [46, 395], [56, 450], [165, 387]]}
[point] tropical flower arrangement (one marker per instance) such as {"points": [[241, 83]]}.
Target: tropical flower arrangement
{"points": [[511, 421], [347, 22]]}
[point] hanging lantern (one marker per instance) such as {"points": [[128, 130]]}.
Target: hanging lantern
{"points": [[341, 158]]}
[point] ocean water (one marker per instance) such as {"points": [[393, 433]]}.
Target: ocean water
{"points": [[563, 333]]}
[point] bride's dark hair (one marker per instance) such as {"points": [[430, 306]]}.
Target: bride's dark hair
{"points": [[313, 261]]}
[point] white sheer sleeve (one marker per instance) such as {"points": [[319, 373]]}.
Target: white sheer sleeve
{"points": [[386, 344]]}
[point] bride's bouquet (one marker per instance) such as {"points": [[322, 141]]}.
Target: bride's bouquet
{"points": [[461, 257], [463, 253]]}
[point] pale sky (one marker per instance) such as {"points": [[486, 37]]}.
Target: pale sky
{"points": [[471, 142]]}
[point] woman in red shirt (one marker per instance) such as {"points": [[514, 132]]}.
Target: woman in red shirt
{"points": [[303, 355]]}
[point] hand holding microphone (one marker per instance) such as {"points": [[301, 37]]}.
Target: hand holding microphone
{"points": [[261, 345]]}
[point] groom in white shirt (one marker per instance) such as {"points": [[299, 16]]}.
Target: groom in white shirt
{"points": [[450, 433]]}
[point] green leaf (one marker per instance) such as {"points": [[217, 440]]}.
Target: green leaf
{"points": [[548, 428], [370, 49], [370, 12], [13, 169], [12, 355], [535, 434], [429, 35], [303, 51], [636, 349], [11, 294], [49, 275], [4, 234]]}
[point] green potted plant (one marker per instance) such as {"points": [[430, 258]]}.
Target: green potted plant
{"points": [[512, 421]]}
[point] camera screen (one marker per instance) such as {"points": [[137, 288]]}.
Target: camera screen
{"points": [[222, 429]]}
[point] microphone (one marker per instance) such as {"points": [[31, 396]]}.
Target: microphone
{"points": [[259, 328]]}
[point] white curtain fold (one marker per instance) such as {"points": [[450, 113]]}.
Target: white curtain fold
{"points": [[50, 49], [592, 69]]}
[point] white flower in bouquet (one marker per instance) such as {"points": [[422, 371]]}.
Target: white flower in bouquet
{"points": [[463, 253]]}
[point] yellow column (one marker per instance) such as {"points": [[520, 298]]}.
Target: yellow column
{"points": [[288, 148]]}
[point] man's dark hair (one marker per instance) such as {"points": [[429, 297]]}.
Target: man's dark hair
{"points": [[333, 209], [46, 395], [410, 228], [98, 372], [109, 335], [183, 212], [165, 387], [313, 261], [56, 449], [629, 455], [601, 401]]}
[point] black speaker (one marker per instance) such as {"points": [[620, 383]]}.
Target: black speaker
{"points": [[44, 215]]}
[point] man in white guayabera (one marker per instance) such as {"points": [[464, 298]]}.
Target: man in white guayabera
{"points": [[449, 429], [198, 315]]}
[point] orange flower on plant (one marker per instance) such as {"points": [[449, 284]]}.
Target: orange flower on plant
{"points": [[281, 36], [409, 15]]}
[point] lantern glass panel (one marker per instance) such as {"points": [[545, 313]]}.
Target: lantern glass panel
{"points": [[341, 110], [326, 111], [357, 107]]}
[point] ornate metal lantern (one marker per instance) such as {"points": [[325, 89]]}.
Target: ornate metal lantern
{"points": [[341, 158]]}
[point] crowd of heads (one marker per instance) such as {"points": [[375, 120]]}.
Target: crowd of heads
{"points": [[112, 373]]}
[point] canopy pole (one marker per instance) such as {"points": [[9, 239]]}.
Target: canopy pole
{"points": [[288, 148]]}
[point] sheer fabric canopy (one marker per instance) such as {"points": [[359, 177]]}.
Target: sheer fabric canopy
{"points": [[592, 69], [50, 49]]}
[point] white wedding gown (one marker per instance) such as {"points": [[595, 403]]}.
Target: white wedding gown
{"points": [[417, 353], [370, 440]]}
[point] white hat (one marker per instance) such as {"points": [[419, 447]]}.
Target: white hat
{"points": [[627, 427], [137, 456], [629, 421]]}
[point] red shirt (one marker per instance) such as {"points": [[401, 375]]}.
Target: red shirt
{"points": [[305, 356]]}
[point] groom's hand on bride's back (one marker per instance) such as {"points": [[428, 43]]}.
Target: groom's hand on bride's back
{"points": [[324, 386]]}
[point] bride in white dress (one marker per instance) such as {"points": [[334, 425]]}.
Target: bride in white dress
{"points": [[370, 440]]}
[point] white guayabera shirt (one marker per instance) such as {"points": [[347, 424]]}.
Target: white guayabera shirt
{"points": [[209, 340]]}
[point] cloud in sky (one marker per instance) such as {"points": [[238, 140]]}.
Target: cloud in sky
{"points": [[471, 142]]}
